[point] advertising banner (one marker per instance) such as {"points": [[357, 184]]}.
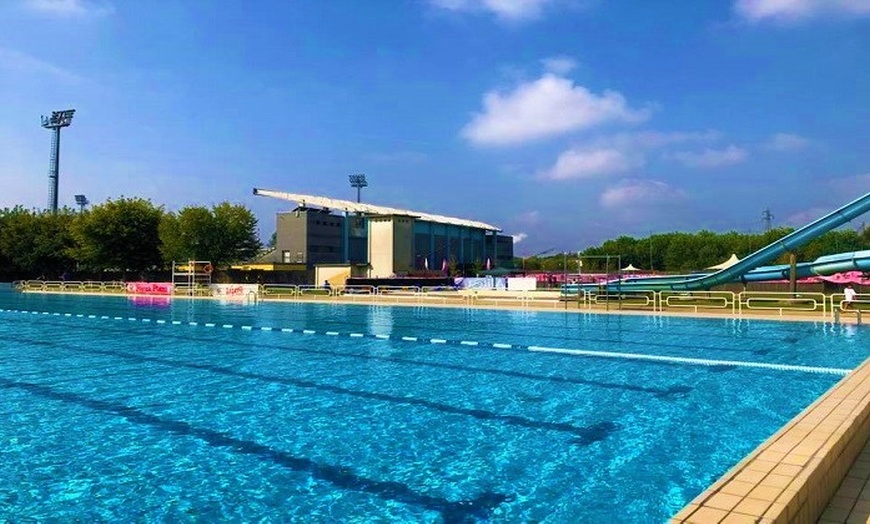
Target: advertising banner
{"points": [[149, 288], [234, 290]]}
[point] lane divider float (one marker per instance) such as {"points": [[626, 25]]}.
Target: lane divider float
{"points": [[496, 345]]}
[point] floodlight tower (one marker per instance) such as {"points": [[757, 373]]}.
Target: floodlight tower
{"points": [[82, 201], [359, 182], [767, 217], [55, 122]]}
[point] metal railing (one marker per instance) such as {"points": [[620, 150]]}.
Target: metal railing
{"points": [[698, 301], [782, 302], [747, 302]]}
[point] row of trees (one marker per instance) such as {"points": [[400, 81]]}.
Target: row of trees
{"points": [[124, 236], [687, 252]]}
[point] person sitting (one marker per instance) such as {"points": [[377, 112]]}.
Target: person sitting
{"points": [[849, 297]]}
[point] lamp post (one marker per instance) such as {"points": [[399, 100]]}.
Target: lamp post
{"points": [[359, 182], [565, 278], [55, 122]]}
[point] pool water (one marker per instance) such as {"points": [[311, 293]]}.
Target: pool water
{"points": [[115, 409]]}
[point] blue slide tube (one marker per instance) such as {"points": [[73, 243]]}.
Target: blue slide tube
{"points": [[787, 243]]}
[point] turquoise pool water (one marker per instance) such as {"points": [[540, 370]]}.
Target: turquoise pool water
{"points": [[148, 410]]}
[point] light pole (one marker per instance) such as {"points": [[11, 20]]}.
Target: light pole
{"points": [[55, 122], [81, 201], [359, 182]]}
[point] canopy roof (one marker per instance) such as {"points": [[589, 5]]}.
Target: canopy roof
{"points": [[357, 207], [728, 263]]}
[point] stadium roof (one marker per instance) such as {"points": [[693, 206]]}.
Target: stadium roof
{"points": [[357, 207]]}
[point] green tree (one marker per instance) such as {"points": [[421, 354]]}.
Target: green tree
{"points": [[187, 235], [237, 239], [223, 235], [120, 235], [37, 243]]}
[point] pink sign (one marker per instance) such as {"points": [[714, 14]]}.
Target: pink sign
{"points": [[149, 288]]}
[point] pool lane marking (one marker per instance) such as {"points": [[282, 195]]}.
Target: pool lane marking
{"points": [[536, 349], [687, 360]]}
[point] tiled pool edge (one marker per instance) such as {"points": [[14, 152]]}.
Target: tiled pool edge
{"points": [[793, 474]]}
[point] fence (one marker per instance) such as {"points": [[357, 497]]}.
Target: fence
{"points": [[812, 304]]}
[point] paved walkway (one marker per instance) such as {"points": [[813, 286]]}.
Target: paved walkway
{"points": [[851, 502]]}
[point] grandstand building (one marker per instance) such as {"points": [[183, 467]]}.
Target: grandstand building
{"points": [[378, 241]]}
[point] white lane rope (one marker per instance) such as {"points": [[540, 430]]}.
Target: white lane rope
{"points": [[496, 345]]}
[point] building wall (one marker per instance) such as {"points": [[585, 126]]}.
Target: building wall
{"points": [[381, 247], [390, 244], [325, 243], [309, 236], [504, 251], [291, 238], [440, 242], [403, 244]]}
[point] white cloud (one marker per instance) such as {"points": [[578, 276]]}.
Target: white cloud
{"points": [[519, 237], [513, 10], [632, 192], [786, 142], [17, 62], [586, 163], [529, 218], [711, 158], [559, 65], [617, 153], [548, 106], [70, 7], [794, 10]]}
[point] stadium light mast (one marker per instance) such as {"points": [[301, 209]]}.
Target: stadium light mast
{"points": [[55, 122], [359, 182], [82, 201], [766, 217]]}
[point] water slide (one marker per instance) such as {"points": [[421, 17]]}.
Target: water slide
{"points": [[822, 266], [743, 270]]}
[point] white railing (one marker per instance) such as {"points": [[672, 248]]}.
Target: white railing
{"points": [[695, 301], [698, 300], [782, 302], [861, 303], [629, 299], [280, 290], [314, 291]]}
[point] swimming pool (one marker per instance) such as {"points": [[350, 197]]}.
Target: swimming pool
{"points": [[116, 409]]}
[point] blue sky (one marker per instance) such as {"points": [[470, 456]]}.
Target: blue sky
{"points": [[564, 122]]}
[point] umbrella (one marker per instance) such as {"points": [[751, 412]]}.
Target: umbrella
{"points": [[728, 263], [630, 267]]}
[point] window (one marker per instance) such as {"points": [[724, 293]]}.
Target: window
{"points": [[285, 257]]}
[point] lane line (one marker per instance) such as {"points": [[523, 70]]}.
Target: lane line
{"points": [[536, 349]]}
